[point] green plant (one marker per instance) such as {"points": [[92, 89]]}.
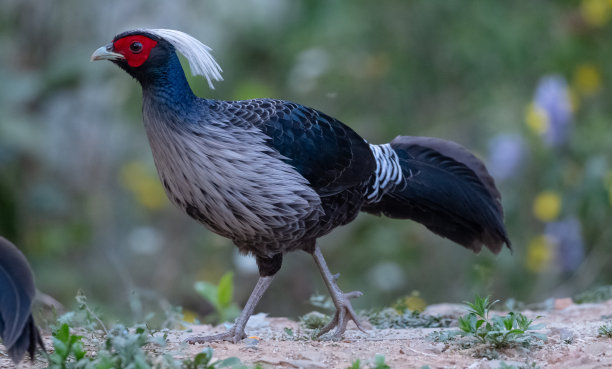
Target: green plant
{"points": [[379, 362], [392, 318], [595, 294], [220, 297], [314, 320], [498, 331], [528, 365], [288, 332], [605, 331], [67, 348], [204, 358], [119, 347]]}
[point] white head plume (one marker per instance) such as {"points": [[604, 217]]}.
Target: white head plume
{"points": [[201, 62]]}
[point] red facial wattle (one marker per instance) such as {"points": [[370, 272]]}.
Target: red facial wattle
{"points": [[136, 49]]}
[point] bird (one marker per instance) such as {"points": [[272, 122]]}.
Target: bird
{"points": [[17, 328], [274, 176]]}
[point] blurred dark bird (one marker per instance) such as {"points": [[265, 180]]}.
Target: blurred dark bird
{"points": [[273, 175], [17, 329]]}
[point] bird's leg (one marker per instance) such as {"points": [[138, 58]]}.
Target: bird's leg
{"points": [[236, 332], [344, 310]]}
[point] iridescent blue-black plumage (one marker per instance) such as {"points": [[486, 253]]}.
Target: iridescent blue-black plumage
{"points": [[336, 161], [17, 328], [448, 190]]}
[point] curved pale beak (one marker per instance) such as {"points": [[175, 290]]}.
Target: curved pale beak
{"points": [[106, 53]]}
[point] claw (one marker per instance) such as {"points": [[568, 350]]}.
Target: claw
{"points": [[344, 310], [344, 313], [353, 294]]}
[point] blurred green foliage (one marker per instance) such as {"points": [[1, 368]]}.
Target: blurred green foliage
{"points": [[525, 85], [220, 296]]}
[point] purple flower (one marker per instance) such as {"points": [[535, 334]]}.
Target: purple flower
{"points": [[552, 98], [506, 154], [567, 236]]}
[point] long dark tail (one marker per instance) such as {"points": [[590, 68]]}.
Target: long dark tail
{"points": [[448, 190], [17, 328]]}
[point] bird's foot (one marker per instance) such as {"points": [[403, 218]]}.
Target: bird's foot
{"points": [[344, 313], [231, 335]]}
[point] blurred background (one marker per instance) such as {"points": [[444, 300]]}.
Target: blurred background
{"points": [[524, 85]]}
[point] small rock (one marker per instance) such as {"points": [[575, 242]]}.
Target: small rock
{"points": [[563, 303], [566, 335], [251, 342], [450, 310], [257, 321], [304, 364], [597, 348]]}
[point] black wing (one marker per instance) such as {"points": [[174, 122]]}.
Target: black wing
{"points": [[329, 154]]}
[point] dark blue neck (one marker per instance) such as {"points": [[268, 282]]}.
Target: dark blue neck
{"points": [[167, 83]]}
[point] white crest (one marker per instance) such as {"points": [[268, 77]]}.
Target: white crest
{"points": [[201, 62]]}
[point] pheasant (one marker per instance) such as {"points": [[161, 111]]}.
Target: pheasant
{"points": [[274, 176]]}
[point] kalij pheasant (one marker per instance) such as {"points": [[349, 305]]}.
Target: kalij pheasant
{"points": [[274, 176]]}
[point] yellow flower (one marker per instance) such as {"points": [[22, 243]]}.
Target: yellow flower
{"points": [[145, 186], [189, 316], [587, 79], [596, 13], [539, 253], [414, 302], [536, 119], [547, 206]]}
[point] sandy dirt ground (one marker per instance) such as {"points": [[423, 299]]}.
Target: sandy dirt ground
{"points": [[572, 332]]}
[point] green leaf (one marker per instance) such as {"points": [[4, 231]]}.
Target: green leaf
{"points": [[56, 358], [63, 333], [479, 323], [225, 290], [203, 358], [60, 347], [231, 362], [229, 313], [379, 362], [77, 350], [209, 292], [104, 362], [355, 365]]}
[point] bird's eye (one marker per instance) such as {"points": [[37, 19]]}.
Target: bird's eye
{"points": [[135, 47]]}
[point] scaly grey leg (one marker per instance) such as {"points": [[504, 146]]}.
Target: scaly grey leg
{"points": [[236, 332], [344, 310]]}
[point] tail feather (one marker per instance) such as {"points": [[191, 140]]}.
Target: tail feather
{"points": [[448, 190]]}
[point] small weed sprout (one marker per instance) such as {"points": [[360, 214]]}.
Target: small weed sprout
{"points": [[379, 362], [605, 331], [314, 320], [67, 348], [497, 331]]}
